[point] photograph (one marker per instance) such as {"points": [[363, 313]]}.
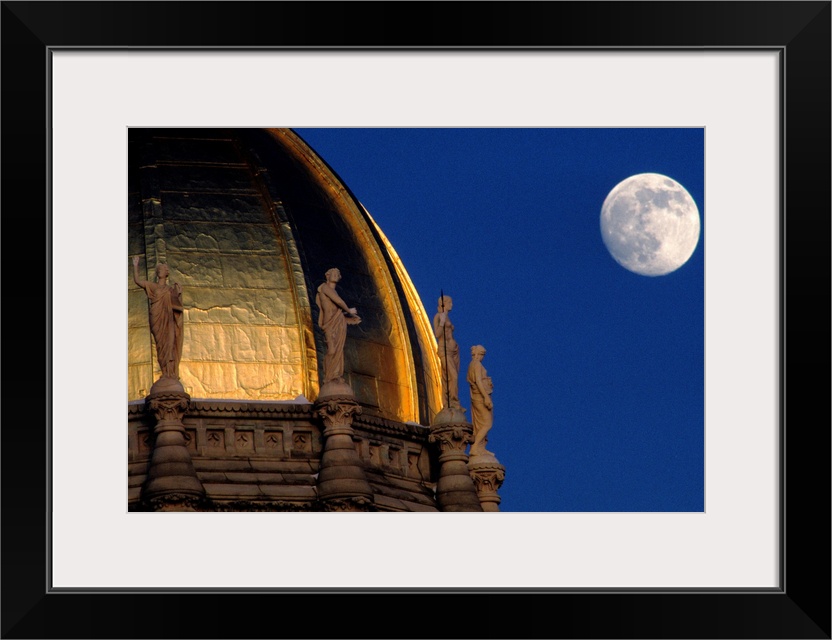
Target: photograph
{"points": [[507, 319]]}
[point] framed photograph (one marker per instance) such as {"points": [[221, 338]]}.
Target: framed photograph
{"points": [[751, 559]]}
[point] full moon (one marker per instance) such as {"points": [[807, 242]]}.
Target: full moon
{"points": [[650, 224]]}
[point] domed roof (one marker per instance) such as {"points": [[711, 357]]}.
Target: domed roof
{"points": [[248, 222]]}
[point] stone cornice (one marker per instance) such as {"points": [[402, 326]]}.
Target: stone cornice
{"points": [[232, 408], [369, 421]]}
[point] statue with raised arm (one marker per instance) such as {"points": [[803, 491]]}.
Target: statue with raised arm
{"points": [[443, 329], [482, 409], [333, 317], [165, 317]]}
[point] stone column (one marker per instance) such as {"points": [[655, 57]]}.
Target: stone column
{"points": [[455, 490], [172, 483], [342, 485], [488, 475]]}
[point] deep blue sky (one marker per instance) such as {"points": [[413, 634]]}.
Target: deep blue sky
{"points": [[598, 372]]}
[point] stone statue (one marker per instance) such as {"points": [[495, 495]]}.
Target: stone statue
{"points": [[443, 329], [333, 317], [482, 409], [165, 317]]}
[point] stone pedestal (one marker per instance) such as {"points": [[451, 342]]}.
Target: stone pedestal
{"points": [[455, 489], [342, 485], [488, 475], [172, 483]]}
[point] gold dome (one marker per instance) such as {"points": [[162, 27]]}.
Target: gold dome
{"points": [[249, 221]]}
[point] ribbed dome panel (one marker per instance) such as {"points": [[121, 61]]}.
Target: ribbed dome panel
{"points": [[248, 221]]}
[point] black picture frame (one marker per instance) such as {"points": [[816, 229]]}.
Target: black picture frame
{"points": [[800, 608]]}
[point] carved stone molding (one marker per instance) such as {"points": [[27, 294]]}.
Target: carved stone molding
{"points": [[175, 502], [358, 503], [168, 406], [488, 477], [367, 420], [250, 409], [262, 506], [337, 413], [372, 422], [172, 483], [230, 408], [455, 490], [452, 438], [341, 478]]}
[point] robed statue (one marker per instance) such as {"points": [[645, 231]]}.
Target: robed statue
{"points": [[448, 349], [165, 317], [482, 408], [333, 317]]}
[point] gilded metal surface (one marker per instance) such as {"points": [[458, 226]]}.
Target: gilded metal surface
{"points": [[243, 335], [300, 298], [384, 354], [424, 330], [208, 206]]}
